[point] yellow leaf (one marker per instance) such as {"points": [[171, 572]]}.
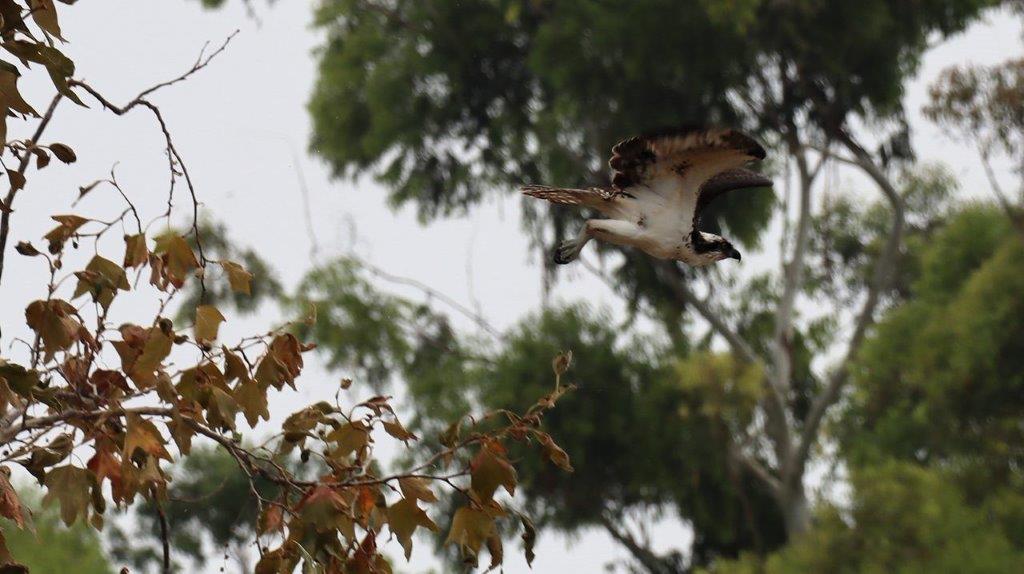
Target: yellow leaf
{"points": [[102, 278], [470, 528], [403, 518], [178, 258], [208, 320], [70, 487], [135, 253], [253, 401], [413, 487], [238, 277], [142, 434]]}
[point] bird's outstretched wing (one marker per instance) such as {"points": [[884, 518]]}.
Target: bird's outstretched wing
{"points": [[729, 180], [676, 162]]}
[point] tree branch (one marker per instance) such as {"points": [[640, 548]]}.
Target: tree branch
{"points": [[880, 282], [8, 203], [644, 555]]}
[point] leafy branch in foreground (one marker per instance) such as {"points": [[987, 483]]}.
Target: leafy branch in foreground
{"points": [[97, 412]]}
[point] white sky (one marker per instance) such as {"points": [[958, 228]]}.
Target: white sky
{"points": [[241, 123]]}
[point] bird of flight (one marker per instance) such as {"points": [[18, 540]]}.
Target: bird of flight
{"points": [[661, 183]]}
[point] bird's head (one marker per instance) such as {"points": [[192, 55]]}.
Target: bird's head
{"points": [[717, 248]]}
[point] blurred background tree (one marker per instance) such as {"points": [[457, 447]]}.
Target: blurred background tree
{"points": [[884, 348]]}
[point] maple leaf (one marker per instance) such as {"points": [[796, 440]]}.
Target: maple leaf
{"points": [[489, 470], [10, 504], [208, 320], [69, 486], [239, 279], [470, 529], [403, 518], [135, 251], [142, 434], [414, 487]]}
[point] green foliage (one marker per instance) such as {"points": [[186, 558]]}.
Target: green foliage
{"points": [[54, 547], [903, 519]]}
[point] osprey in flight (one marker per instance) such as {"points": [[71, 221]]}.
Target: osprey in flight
{"points": [[662, 182]]}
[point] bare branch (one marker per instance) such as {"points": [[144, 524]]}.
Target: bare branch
{"points": [[880, 282], [8, 203]]}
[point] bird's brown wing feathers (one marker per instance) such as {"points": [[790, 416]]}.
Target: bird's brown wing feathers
{"points": [[729, 180], [680, 159]]}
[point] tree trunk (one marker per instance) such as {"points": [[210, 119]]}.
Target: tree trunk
{"points": [[795, 510]]}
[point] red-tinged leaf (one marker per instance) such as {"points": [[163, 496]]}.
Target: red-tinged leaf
{"points": [[69, 486], [403, 518], [105, 465], [10, 504], [208, 320], [143, 435], [489, 470], [554, 453], [7, 563], [271, 520], [321, 507], [239, 279], [413, 487]]}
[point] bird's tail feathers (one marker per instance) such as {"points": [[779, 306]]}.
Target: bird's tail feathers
{"points": [[592, 197]]}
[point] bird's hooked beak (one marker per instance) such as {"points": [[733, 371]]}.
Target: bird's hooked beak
{"points": [[733, 254]]}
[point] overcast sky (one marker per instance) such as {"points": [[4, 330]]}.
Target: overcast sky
{"points": [[242, 128]]}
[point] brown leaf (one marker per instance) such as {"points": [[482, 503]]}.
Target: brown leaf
{"points": [[554, 453], [105, 465], [413, 487], [27, 249], [55, 324], [489, 470], [529, 539], [238, 277], [69, 224], [271, 520], [497, 550], [350, 437], [69, 486], [10, 504], [253, 401], [103, 279], [470, 528], [398, 431], [45, 15], [234, 367], [403, 518], [135, 253], [7, 563], [143, 435], [208, 320], [63, 152], [17, 179], [177, 257], [42, 158], [10, 97], [282, 363], [321, 507]]}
